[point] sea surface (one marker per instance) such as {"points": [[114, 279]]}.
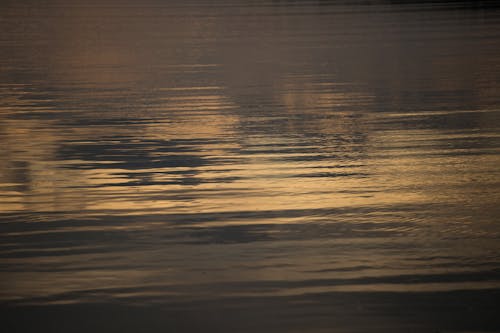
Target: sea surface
{"points": [[249, 166]]}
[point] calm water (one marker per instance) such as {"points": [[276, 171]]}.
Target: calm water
{"points": [[249, 166]]}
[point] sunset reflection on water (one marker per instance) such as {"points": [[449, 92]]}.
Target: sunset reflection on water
{"points": [[311, 160]]}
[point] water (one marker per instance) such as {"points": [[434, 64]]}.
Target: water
{"points": [[249, 166]]}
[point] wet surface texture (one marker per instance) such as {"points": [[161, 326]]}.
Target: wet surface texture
{"points": [[249, 166]]}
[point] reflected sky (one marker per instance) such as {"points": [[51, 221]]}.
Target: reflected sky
{"points": [[248, 149]]}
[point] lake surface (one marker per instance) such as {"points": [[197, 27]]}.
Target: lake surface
{"points": [[249, 166]]}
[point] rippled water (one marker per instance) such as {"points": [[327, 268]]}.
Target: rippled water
{"points": [[260, 166]]}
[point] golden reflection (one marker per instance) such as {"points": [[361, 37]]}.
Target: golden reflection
{"points": [[261, 173], [51, 183]]}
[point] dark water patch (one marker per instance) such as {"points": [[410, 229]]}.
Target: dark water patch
{"points": [[382, 312]]}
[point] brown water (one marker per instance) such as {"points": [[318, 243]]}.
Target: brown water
{"points": [[250, 166]]}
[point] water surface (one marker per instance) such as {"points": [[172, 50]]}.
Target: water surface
{"points": [[250, 166]]}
